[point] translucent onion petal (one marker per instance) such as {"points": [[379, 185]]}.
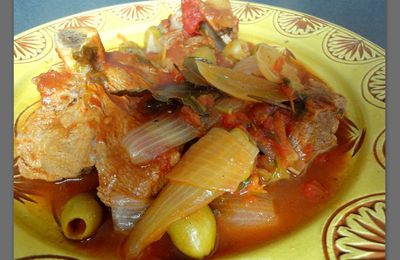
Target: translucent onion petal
{"points": [[230, 105], [217, 161], [248, 66], [245, 211], [126, 212], [240, 85], [267, 56], [157, 136]]}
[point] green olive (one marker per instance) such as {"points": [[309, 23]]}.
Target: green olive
{"points": [[237, 49], [206, 53], [195, 234], [81, 216]]}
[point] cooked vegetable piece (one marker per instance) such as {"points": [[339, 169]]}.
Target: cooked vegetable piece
{"points": [[178, 200], [248, 66], [277, 64], [191, 73], [126, 212], [205, 53], [237, 49], [195, 234], [159, 135], [210, 32], [210, 165], [130, 47], [247, 211], [81, 216], [229, 105], [192, 16], [270, 61], [240, 85]]}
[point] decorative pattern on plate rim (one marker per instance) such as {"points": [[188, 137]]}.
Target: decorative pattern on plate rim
{"points": [[344, 47], [248, 13], [95, 19], [374, 85], [136, 12], [32, 46], [357, 230], [380, 149], [297, 25]]}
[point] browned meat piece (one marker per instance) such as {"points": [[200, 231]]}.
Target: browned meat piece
{"points": [[315, 132], [56, 141], [118, 176]]}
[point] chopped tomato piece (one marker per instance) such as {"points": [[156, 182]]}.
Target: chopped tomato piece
{"points": [[165, 23], [190, 116], [206, 100], [279, 64], [192, 16], [289, 93], [229, 121], [177, 76]]}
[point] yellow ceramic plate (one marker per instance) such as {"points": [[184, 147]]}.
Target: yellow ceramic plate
{"points": [[353, 226]]}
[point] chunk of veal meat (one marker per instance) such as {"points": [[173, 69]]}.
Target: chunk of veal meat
{"points": [[315, 132], [57, 139]]}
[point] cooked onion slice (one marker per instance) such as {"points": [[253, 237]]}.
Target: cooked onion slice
{"points": [[126, 212], [178, 200], [218, 160], [157, 136], [268, 59], [248, 66], [240, 85], [245, 211]]}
